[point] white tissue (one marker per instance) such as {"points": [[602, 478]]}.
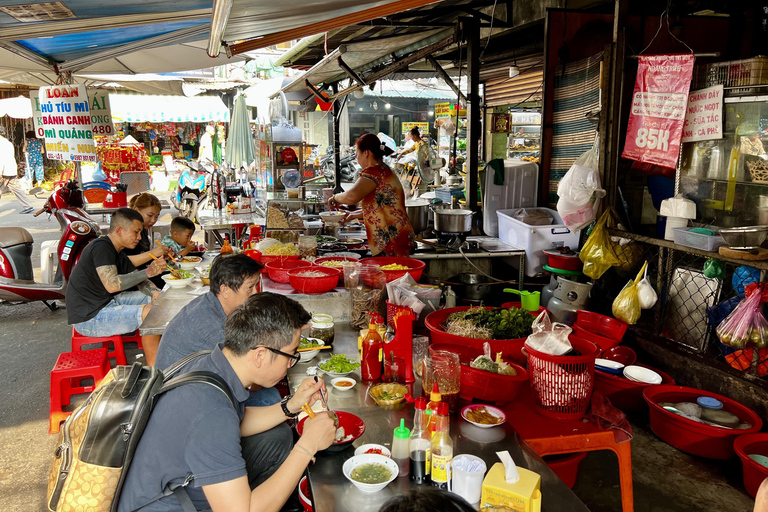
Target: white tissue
{"points": [[678, 206], [510, 469]]}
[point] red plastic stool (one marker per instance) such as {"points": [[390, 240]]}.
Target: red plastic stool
{"points": [[118, 352], [68, 372]]}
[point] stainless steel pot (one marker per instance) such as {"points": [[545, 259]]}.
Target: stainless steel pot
{"points": [[453, 221], [473, 286], [418, 214]]}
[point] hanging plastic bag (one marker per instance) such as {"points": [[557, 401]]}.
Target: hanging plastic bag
{"points": [[645, 292], [549, 338], [597, 253], [579, 192], [746, 324], [626, 307]]}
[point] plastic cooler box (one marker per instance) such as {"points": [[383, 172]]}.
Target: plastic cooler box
{"points": [[535, 239]]}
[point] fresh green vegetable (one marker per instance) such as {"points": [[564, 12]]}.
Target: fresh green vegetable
{"points": [[321, 239], [504, 324], [310, 343], [339, 363]]}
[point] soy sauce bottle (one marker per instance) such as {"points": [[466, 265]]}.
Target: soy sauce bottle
{"points": [[421, 444]]}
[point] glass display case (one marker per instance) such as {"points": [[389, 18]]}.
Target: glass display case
{"points": [[728, 178], [524, 142]]}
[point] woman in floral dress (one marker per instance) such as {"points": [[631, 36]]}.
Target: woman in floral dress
{"points": [[383, 201]]}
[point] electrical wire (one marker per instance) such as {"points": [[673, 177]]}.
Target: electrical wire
{"points": [[490, 32]]}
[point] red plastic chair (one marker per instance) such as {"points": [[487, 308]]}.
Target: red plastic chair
{"points": [[66, 175], [549, 437], [66, 380], [117, 341]]}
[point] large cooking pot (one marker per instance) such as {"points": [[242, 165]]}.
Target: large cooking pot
{"points": [[453, 221], [418, 214]]}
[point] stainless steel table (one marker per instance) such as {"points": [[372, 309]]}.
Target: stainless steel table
{"points": [[214, 222], [167, 306], [332, 492]]}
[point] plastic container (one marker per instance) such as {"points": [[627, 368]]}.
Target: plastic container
{"points": [[683, 236], [314, 285], [483, 385], [601, 341], [691, 436], [305, 497], [564, 262], [754, 472], [278, 270], [415, 267], [266, 258], [535, 239], [519, 189], [392, 309], [601, 324], [626, 394], [562, 385], [510, 349], [318, 262], [566, 466], [620, 354]]}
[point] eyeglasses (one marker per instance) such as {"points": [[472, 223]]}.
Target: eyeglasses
{"points": [[293, 357]]}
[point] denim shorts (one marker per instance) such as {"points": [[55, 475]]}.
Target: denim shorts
{"points": [[263, 397], [120, 316]]}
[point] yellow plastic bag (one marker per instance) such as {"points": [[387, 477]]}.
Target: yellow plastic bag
{"points": [[626, 307], [597, 253]]}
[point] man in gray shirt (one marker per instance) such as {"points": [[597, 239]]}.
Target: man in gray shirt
{"points": [[193, 434]]}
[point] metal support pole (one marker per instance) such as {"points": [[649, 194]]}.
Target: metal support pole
{"points": [[448, 80], [472, 35], [611, 152], [337, 105]]}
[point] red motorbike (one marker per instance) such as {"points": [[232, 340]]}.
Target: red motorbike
{"points": [[17, 282]]}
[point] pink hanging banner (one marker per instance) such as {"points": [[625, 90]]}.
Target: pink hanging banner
{"points": [[658, 109]]}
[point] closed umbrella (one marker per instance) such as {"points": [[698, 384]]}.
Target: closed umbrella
{"points": [[241, 151]]}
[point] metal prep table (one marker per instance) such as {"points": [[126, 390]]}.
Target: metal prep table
{"points": [[332, 492], [218, 223]]}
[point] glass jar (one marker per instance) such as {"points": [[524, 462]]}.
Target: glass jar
{"points": [[445, 368], [322, 328], [307, 246]]}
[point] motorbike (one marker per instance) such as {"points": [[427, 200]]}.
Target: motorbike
{"points": [[17, 282], [191, 188], [350, 169]]}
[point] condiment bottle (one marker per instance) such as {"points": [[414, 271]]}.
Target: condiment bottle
{"points": [[372, 345], [226, 248], [434, 400], [322, 328], [253, 237], [450, 298], [400, 447], [442, 447], [421, 444]]}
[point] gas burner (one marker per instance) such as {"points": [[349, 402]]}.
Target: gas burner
{"points": [[451, 241]]}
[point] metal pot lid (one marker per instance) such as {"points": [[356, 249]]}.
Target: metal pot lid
{"points": [[745, 229], [416, 202], [457, 213]]}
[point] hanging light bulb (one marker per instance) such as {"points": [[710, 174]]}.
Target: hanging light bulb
{"points": [[359, 94], [387, 105], [513, 71]]}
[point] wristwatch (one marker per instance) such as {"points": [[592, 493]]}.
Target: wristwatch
{"points": [[284, 407]]}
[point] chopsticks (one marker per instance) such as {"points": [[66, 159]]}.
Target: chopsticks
{"points": [[158, 243], [167, 265], [314, 348], [307, 409]]}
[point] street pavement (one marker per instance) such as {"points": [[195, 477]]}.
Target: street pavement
{"points": [[31, 338]]}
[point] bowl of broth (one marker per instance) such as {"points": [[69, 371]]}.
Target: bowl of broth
{"points": [[370, 472]]}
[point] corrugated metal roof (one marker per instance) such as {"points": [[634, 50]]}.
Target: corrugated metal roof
{"points": [[525, 88]]}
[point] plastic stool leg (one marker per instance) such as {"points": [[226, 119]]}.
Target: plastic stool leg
{"points": [[623, 452], [55, 419]]}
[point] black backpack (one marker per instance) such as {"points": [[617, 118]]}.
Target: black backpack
{"points": [[97, 442]]}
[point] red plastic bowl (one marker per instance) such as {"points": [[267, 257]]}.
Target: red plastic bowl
{"points": [[278, 269], [566, 466], [318, 261], [563, 262], [484, 385], [510, 349], [305, 497], [601, 324], [754, 473], [623, 393], [351, 423], [415, 267], [314, 285], [266, 258], [691, 436], [620, 354], [601, 341]]}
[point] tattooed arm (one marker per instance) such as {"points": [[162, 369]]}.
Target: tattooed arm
{"points": [[114, 282], [147, 287]]}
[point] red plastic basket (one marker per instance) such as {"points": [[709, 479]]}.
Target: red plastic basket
{"points": [[415, 267], [623, 393], [392, 309], [754, 473], [278, 269], [601, 324], [562, 385], [691, 436], [483, 385]]}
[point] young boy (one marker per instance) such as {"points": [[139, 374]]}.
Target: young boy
{"points": [[182, 230]]}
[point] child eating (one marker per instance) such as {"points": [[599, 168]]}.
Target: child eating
{"points": [[182, 230]]}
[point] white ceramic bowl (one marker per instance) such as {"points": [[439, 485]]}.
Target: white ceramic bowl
{"points": [[359, 460], [334, 374], [190, 265], [309, 354], [176, 283], [365, 447], [607, 363], [641, 374], [493, 411], [335, 383]]}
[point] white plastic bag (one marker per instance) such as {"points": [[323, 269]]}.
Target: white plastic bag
{"points": [[645, 292], [549, 338], [579, 192]]}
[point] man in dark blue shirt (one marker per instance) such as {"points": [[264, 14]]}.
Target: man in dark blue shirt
{"points": [[194, 432]]}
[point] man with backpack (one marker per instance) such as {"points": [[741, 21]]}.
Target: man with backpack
{"points": [[193, 434]]}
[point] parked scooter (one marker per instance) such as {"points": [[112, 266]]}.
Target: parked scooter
{"points": [[17, 281], [191, 188]]}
